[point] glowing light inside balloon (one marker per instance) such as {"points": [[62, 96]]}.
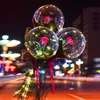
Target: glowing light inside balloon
{"points": [[75, 38], [49, 16], [41, 42]]}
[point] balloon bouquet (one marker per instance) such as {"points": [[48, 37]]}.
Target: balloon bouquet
{"points": [[47, 39]]}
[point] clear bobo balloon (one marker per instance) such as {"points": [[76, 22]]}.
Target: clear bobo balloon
{"points": [[49, 16], [41, 42], [72, 42]]}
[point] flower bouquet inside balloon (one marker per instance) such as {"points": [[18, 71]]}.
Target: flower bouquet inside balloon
{"points": [[44, 43]]}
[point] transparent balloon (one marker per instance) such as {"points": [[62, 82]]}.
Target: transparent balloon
{"points": [[41, 42], [49, 16], [72, 41]]}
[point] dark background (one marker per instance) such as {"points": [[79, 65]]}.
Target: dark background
{"points": [[16, 15]]}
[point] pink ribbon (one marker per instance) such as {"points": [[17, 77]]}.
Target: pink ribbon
{"points": [[38, 77]]}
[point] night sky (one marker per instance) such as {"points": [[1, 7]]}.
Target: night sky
{"points": [[16, 15]]}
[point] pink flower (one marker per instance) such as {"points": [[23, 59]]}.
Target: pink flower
{"points": [[44, 40], [47, 19], [70, 40]]}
